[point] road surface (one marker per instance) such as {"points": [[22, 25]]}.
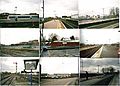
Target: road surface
{"points": [[63, 82], [54, 24]]}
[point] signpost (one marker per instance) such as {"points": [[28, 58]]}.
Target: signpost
{"points": [[31, 64]]}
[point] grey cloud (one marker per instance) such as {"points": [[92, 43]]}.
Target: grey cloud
{"points": [[7, 1], [32, 1], [69, 4], [4, 1], [5, 67], [102, 62]]}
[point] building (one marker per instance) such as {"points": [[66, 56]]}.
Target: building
{"points": [[64, 43]]}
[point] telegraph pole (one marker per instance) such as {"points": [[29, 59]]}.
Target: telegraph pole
{"points": [[103, 13], [82, 64], [15, 66], [15, 11], [79, 69], [43, 17], [41, 31], [41, 44]]}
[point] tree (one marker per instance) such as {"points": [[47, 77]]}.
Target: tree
{"points": [[111, 69], [72, 38], [53, 37], [117, 11], [62, 39], [114, 12], [103, 70], [108, 70]]}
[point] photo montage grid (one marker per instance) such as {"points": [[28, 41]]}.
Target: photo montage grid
{"points": [[59, 43]]}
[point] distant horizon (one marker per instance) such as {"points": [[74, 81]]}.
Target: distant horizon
{"points": [[96, 7]]}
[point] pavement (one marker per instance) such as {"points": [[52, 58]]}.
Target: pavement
{"points": [[109, 51], [62, 82], [115, 80], [101, 23], [104, 80], [7, 52], [62, 53], [112, 24], [93, 21], [98, 53], [54, 24]]}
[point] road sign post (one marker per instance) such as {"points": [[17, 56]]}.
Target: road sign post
{"points": [[31, 77], [31, 64]]}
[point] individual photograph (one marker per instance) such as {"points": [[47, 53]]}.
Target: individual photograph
{"points": [[59, 14], [59, 71], [98, 14], [98, 43], [20, 71], [22, 42], [60, 43], [0, 41], [19, 13], [99, 72]]}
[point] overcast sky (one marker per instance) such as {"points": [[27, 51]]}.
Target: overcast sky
{"points": [[99, 36], [67, 33], [23, 6], [95, 7], [59, 65], [60, 7], [6, 64], [16, 35], [90, 65], [52, 7]]}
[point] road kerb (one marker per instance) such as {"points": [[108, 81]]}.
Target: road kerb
{"points": [[98, 53]]}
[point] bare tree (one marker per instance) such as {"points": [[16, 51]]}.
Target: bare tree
{"points": [[114, 12], [72, 38], [53, 37]]}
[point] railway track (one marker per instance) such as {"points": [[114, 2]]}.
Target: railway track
{"points": [[7, 80], [18, 52], [88, 52], [104, 24]]}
